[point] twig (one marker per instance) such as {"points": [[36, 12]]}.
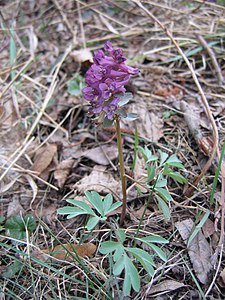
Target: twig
{"points": [[218, 72], [190, 190]]}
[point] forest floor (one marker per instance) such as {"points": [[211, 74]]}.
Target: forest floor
{"points": [[51, 150]]}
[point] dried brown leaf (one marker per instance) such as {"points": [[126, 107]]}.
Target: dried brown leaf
{"points": [[165, 287], [44, 157], [62, 171], [59, 252], [99, 181], [102, 155], [208, 228], [199, 250], [81, 55], [148, 124], [14, 207]]}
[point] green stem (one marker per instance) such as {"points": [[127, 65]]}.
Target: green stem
{"points": [[122, 170]]}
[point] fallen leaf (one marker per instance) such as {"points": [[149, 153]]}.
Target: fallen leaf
{"points": [[44, 157], [199, 250], [139, 171], [81, 55], [14, 207], [221, 279], [208, 228], [62, 171], [47, 214], [102, 155], [149, 124], [171, 91], [99, 181], [83, 250], [165, 287], [137, 213]]}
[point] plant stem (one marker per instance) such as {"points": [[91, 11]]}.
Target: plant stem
{"points": [[122, 170]]}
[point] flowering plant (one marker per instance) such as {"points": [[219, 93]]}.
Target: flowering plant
{"points": [[106, 80]]}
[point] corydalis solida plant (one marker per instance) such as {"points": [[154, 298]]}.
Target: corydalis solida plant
{"points": [[106, 80]]}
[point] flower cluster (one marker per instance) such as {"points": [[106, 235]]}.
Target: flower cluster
{"points": [[106, 79]]}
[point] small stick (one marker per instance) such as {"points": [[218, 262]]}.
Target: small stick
{"points": [[218, 72]]}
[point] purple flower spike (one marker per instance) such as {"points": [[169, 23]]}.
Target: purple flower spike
{"points": [[106, 79]]}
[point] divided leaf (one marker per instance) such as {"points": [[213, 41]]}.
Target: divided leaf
{"points": [[144, 258]]}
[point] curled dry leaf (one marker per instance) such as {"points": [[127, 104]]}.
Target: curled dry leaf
{"points": [[81, 55], [199, 250], [164, 287], [62, 252], [44, 157], [62, 171]]}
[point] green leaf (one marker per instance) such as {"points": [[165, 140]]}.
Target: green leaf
{"points": [[151, 173], [144, 258], [107, 203], [119, 266], [132, 277], [95, 199], [12, 53], [122, 112], [82, 205], [153, 239], [136, 141], [177, 177], [161, 182], [131, 117], [92, 222], [164, 193], [118, 253], [113, 207], [71, 211], [2, 219], [158, 251], [198, 227], [163, 157], [109, 247], [121, 235], [164, 208], [107, 123], [16, 226], [12, 269], [75, 85], [147, 153], [125, 98], [174, 161]]}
